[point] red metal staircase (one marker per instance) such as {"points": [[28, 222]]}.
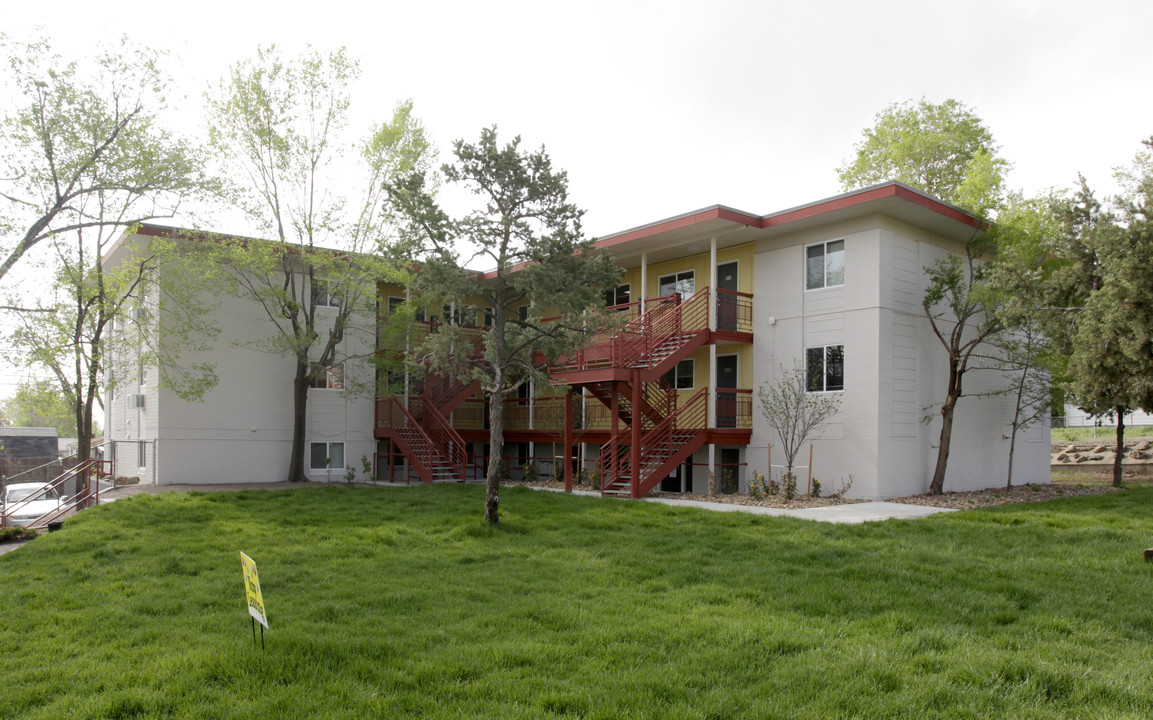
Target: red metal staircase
{"points": [[422, 432], [640, 353], [661, 450]]}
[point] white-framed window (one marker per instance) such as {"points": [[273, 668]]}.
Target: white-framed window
{"points": [[330, 377], [325, 293], [620, 296], [825, 368], [681, 377], [141, 454], [825, 265], [326, 455], [684, 283]]}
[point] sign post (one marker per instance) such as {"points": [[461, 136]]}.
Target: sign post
{"points": [[253, 597]]}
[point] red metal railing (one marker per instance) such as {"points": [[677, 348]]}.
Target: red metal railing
{"points": [[413, 440], [90, 491], [658, 444], [734, 409], [446, 441], [734, 311]]}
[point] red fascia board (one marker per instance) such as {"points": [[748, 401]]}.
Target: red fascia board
{"points": [[788, 216], [870, 195], [713, 213]]}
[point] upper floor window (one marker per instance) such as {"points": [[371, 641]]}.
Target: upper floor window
{"points": [[329, 378], [683, 283], [325, 294], [825, 368], [681, 376], [825, 265]]}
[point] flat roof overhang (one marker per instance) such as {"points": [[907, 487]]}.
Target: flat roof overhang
{"points": [[691, 232]]}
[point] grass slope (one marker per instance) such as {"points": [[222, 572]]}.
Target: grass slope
{"points": [[394, 603]]}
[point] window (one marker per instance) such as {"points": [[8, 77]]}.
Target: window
{"points": [[825, 265], [325, 294], [141, 454], [326, 455], [395, 304], [684, 283], [330, 377], [522, 313], [825, 368], [681, 377], [620, 296]]}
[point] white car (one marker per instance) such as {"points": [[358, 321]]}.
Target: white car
{"points": [[24, 513]]}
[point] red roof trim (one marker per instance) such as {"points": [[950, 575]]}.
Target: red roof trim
{"points": [[713, 213], [840, 202]]}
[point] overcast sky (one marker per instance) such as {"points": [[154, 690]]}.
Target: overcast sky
{"points": [[658, 108]]}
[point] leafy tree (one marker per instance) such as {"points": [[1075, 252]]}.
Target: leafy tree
{"points": [[962, 321], [278, 124], [530, 235], [1027, 357], [39, 403], [1111, 337], [944, 149], [82, 132], [793, 411]]}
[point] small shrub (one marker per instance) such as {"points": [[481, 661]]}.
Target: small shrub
{"points": [[774, 487], [757, 486], [366, 465], [16, 533], [529, 472], [349, 474], [845, 485], [816, 489], [789, 483]]}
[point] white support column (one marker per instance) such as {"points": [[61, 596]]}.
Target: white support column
{"points": [[712, 416], [713, 465], [644, 280], [713, 282]]}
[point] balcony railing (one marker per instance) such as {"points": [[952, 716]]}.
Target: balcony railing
{"points": [[734, 311], [734, 409]]}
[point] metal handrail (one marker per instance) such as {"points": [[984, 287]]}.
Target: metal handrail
{"points": [[10, 510], [445, 439]]}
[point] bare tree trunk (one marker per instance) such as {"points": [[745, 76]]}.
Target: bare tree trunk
{"points": [[937, 486], [1012, 446], [299, 415], [1120, 450], [496, 452]]}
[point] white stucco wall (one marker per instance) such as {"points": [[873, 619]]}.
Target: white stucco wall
{"points": [[895, 368], [241, 430]]}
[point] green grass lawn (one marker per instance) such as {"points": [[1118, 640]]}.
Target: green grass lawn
{"points": [[387, 602]]}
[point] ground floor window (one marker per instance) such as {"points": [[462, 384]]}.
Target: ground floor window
{"points": [[323, 456], [825, 368], [141, 454]]}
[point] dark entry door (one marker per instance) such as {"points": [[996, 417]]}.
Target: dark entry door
{"points": [[726, 391], [727, 301], [729, 470]]}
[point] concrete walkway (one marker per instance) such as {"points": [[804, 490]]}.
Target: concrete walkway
{"points": [[848, 514]]}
